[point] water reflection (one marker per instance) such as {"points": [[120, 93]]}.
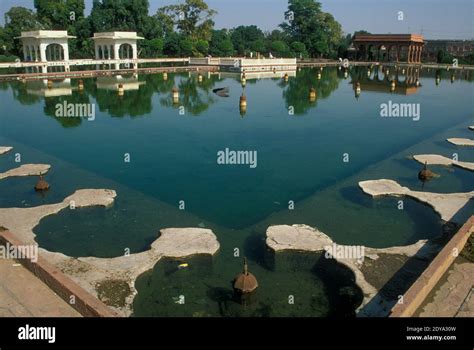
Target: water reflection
{"points": [[195, 94], [297, 90], [402, 81], [195, 89]]}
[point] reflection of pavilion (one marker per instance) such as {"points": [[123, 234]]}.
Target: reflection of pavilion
{"points": [[258, 75], [112, 82], [406, 80], [40, 88]]}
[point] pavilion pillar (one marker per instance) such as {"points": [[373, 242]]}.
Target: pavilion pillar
{"points": [[42, 52], [116, 54]]}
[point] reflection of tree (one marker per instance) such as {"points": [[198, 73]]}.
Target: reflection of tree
{"points": [[20, 94], [196, 97], [133, 103], [66, 122], [296, 93]]}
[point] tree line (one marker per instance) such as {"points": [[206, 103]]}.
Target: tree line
{"points": [[180, 30]]}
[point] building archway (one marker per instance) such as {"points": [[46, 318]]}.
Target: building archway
{"points": [[125, 51], [54, 52], [385, 47]]}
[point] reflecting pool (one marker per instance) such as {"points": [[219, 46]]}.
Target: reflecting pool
{"points": [[161, 158]]}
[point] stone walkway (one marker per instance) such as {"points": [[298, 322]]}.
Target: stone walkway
{"points": [[22, 294], [452, 296]]}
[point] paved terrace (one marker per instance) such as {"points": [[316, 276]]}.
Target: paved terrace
{"points": [[22, 294]]}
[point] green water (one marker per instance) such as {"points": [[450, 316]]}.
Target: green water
{"points": [[173, 158]]}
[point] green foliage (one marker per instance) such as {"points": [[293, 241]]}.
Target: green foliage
{"points": [[183, 29], [318, 30], [17, 20], [299, 49], [202, 47], [152, 48], [279, 48], [9, 58], [221, 43], [186, 46], [247, 38], [59, 14], [193, 18]]}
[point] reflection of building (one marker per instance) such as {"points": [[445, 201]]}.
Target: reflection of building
{"points": [[456, 48], [389, 47], [113, 82], [258, 75], [247, 65], [379, 80], [116, 45], [40, 88], [46, 46]]}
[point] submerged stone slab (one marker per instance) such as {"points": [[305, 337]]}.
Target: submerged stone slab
{"points": [[5, 149], [307, 238], [445, 204], [89, 272], [179, 242], [461, 142], [21, 221], [435, 159], [26, 170], [296, 237]]}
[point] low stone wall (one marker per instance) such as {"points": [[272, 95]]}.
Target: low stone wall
{"points": [[86, 304], [417, 293]]}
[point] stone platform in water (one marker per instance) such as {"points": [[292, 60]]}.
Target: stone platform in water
{"points": [[461, 142], [306, 238], [435, 159], [445, 204], [296, 237], [22, 221], [26, 170], [90, 272], [5, 149]]}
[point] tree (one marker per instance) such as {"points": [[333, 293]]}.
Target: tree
{"points": [[221, 43], [307, 23], [17, 20], [59, 14], [126, 15], [202, 46], [193, 18], [186, 46], [299, 49], [279, 48], [172, 47], [244, 38]]}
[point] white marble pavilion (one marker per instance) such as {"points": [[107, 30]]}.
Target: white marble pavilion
{"points": [[45, 46]]}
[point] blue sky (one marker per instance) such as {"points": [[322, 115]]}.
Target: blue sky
{"points": [[436, 19]]}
